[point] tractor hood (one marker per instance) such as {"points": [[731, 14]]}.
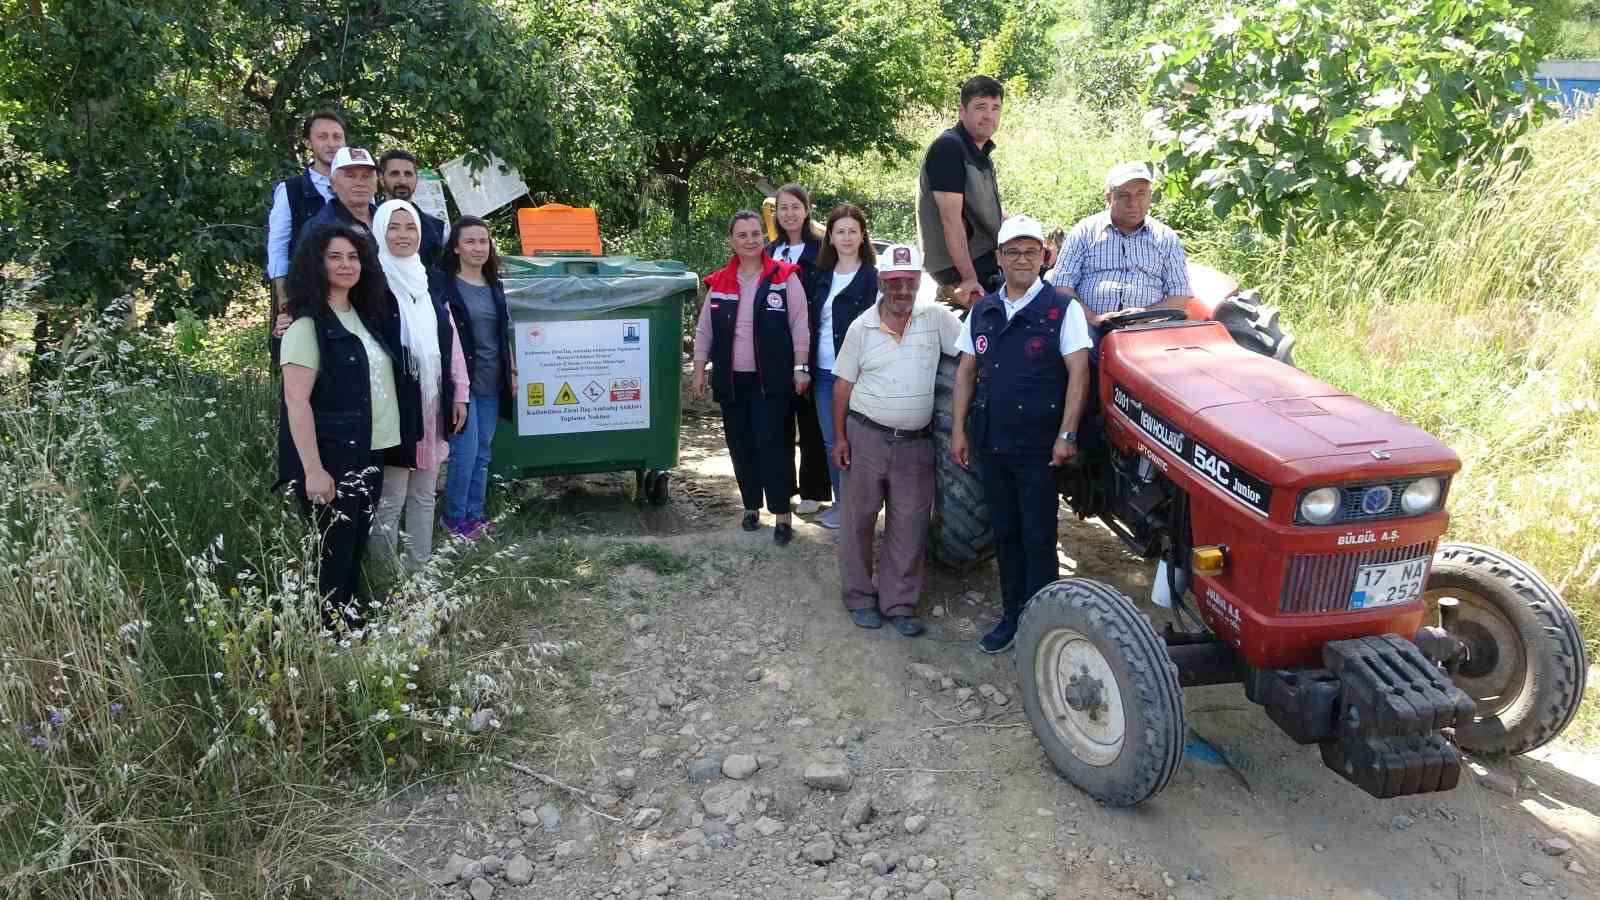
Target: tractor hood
{"points": [[1289, 426]]}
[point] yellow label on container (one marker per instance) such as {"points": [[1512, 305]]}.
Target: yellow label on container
{"points": [[535, 393], [565, 396]]}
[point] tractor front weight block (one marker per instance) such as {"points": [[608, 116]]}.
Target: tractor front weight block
{"points": [[1375, 711], [1393, 701]]}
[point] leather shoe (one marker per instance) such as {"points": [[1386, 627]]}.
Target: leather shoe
{"points": [[782, 534], [909, 626], [752, 520], [866, 618]]}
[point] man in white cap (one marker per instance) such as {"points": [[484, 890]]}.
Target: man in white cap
{"points": [[1025, 353], [1123, 258], [355, 183], [882, 406]]}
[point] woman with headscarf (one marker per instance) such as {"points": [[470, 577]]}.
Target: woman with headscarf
{"points": [[432, 357]]}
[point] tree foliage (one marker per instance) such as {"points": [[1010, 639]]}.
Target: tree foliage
{"points": [[1303, 115], [770, 84], [1020, 52], [144, 136]]}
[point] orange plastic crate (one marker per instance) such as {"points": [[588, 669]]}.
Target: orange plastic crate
{"points": [[560, 228]]}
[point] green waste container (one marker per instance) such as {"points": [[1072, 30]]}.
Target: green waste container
{"points": [[598, 344]]}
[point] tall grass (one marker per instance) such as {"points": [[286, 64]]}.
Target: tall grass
{"points": [[173, 721]]}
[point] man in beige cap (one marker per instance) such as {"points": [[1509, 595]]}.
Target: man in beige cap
{"points": [[882, 407], [1123, 258]]}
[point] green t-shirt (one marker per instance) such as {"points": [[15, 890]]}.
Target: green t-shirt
{"points": [[300, 348]]}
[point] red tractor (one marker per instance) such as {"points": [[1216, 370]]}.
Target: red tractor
{"points": [[1300, 533]]}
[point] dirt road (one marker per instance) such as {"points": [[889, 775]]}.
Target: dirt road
{"points": [[744, 661]]}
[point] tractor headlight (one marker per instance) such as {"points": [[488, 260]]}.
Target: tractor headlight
{"points": [[1421, 495], [1320, 506]]}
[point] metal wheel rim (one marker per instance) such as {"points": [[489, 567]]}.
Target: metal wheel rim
{"points": [[1095, 736], [1499, 688]]}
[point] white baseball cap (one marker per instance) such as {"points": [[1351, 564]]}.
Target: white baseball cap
{"points": [[352, 156], [1122, 173], [1020, 227], [900, 261]]}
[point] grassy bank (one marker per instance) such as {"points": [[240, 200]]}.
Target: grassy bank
{"points": [[174, 724]]}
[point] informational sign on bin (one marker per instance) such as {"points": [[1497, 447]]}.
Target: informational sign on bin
{"points": [[582, 375]]}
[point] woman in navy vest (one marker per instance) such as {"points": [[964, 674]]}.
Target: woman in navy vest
{"points": [[468, 279], [344, 402], [753, 329], [799, 243], [433, 358], [845, 286]]}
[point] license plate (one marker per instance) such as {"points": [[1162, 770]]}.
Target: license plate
{"points": [[1389, 583]]}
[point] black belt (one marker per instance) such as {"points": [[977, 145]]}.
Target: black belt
{"points": [[896, 433]]}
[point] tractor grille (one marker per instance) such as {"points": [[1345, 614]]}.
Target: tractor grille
{"points": [[1321, 582]]}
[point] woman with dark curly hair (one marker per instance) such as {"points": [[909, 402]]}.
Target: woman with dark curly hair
{"points": [[342, 402]]}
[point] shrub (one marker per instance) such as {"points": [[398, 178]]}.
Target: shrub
{"points": [[1306, 116]]}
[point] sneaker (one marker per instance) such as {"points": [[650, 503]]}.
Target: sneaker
{"points": [[866, 618], [807, 507], [782, 534], [461, 528], [751, 521], [908, 626], [1001, 637], [484, 527], [829, 518]]}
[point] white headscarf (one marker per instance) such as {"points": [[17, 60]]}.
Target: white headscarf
{"points": [[419, 326]]}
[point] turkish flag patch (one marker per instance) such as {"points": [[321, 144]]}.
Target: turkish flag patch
{"points": [[1054, 314]]}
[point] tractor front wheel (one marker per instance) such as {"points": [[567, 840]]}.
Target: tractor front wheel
{"points": [[1100, 691], [1524, 664]]}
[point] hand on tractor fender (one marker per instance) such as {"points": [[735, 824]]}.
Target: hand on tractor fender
{"points": [[697, 385], [1061, 452], [959, 451], [841, 454]]}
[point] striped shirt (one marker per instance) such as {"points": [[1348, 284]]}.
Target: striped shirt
{"points": [[892, 375], [1111, 270]]}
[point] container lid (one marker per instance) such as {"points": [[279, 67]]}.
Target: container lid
{"points": [[577, 282]]}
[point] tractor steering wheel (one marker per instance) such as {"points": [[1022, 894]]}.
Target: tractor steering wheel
{"points": [[1142, 317]]}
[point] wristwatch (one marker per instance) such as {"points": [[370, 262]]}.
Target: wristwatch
{"points": [[1070, 437], [802, 368]]}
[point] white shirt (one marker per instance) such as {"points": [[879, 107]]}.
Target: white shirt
{"points": [[1074, 329], [836, 287], [892, 376], [789, 253], [281, 221]]}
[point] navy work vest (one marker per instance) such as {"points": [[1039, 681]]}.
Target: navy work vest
{"points": [[305, 201], [341, 399], [442, 285], [774, 343], [1022, 380]]}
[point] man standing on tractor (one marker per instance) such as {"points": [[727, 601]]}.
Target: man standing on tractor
{"points": [[1123, 259], [958, 198], [1026, 347]]}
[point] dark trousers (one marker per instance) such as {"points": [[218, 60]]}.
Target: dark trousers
{"points": [[1022, 508], [344, 526], [756, 427], [814, 481]]}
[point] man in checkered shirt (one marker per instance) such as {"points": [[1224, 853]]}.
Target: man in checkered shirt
{"points": [[1123, 259]]}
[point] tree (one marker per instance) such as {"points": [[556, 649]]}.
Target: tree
{"points": [[1305, 116], [144, 136], [1021, 53], [770, 84]]}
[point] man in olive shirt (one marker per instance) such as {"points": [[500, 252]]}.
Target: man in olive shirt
{"points": [[958, 198]]}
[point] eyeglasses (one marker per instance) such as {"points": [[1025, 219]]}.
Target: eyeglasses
{"points": [[1012, 254]]}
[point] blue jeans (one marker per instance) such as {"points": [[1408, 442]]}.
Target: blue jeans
{"points": [[822, 390], [468, 480]]}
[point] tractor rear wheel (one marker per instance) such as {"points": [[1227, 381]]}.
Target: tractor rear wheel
{"points": [[1525, 666], [959, 535], [1100, 691]]}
